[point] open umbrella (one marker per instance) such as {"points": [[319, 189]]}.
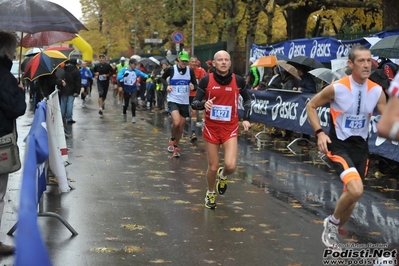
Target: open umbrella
{"points": [[44, 63], [157, 59], [325, 74], [64, 50], [45, 38], [339, 63], [148, 64], [33, 51], [31, 16], [305, 61], [266, 61], [289, 68], [387, 47], [171, 58]]}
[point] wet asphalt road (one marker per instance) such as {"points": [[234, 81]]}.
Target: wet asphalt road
{"points": [[135, 205]]}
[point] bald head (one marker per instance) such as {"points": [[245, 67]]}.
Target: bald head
{"points": [[222, 62]]}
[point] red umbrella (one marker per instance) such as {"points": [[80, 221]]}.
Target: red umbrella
{"points": [[46, 38]]}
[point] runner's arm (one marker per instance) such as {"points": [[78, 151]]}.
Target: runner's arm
{"points": [[197, 103], [168, 73], [320, 99], [246, 99]]}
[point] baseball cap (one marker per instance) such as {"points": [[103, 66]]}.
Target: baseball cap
{"points": [[133, 61], [183, 56], [122, 58]]}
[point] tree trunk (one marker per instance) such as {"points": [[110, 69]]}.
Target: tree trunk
{"points": [[296, 19], [390, 11]]}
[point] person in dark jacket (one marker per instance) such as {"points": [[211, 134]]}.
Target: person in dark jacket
{"points": [[12, 105], [307, 83], [70, 90], [275, 80]]}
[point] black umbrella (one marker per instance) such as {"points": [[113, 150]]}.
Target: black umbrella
{"points": [[33, 16], [387, 47], [305, 61], [157, 59], [148, 64]]}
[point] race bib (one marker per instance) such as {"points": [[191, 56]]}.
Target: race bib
{"points": [[182, 89], [84, 82], [101, 77], [130, 80], [354, 123], [221, 113]]}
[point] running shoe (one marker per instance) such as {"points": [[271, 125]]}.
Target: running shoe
{"points": [[210, 200], [171, 146], [100, 112], [193, 137], [330, 235], [124, 117], [133, 119], [221, 185], [176, 153]]}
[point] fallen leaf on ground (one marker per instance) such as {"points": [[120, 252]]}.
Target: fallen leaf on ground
{"points": [[103, 250], [159, 233], [160, 261], [375, 233], [194, 208], [288, 249], [134, 249], [293, 234], [133, 226], [237, 229], [318, 221], [181, 202]]}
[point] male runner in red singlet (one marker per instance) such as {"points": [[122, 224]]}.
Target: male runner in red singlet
{"points": [[221, 90], [352, 101]]}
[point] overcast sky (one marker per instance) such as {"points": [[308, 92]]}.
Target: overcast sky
{"points": [[72, 6]]}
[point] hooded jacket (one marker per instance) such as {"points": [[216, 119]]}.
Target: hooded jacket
{"points": [[12, 98], [72, 80]]}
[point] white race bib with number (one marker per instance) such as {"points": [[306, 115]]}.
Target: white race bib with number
{"points": [[354, 123], [181, 89], [101, 77], [84, 82], [221, 113]]}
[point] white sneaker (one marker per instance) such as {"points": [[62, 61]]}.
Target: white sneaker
{"points": [[133, 119], [330, 235]]}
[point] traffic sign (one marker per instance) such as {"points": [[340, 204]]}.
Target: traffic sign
{"points": [[177, 37]]}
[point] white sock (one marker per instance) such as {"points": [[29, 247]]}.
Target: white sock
{"points": [[334, 220], [221, 173], [211, 191]]}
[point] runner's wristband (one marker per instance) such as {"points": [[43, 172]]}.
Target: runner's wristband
{"points": [[318, 131]]}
